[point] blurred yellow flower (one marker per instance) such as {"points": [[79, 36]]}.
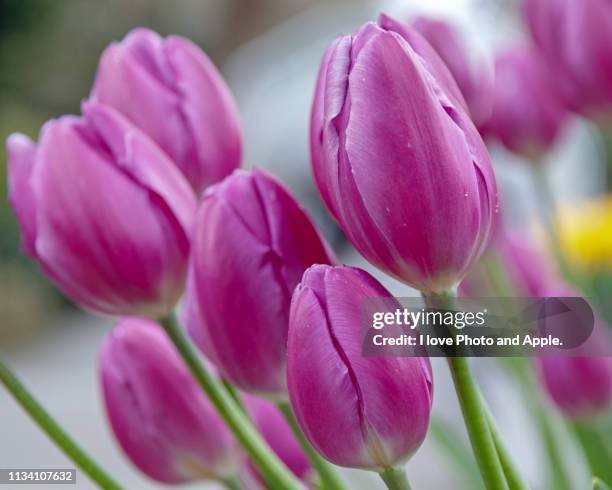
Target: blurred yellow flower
{"points": [[585, 233]]}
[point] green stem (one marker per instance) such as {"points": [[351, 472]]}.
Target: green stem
{"points": [[477, 424], [595, 449], [449, 439], [513, 477], [599, 485], [474, 413], [395, 479], [605, 135], [233, 393], [234, 483], [546, 422], [559, 476], [55, 431], [276, 474], [328, 475]]}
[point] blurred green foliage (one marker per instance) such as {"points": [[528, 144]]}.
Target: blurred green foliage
{"points": [[23, 294], [16, 15]]}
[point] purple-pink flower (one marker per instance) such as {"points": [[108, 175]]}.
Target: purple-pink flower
{"points": [[580, 387], [104, 211], [528, 113], [575, 37], [361, 412], [159, 415], [252, 242], [278, 434], [170, 89], [579, 382], [396, 158]]}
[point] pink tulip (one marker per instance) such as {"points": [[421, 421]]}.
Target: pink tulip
{"points": [[580, 384], [104, 211], [252, 243], [473, 81], [397, 160], [530, 270], [361, 412], [172, 91], [158, 413], [575, 37], [528, 113], [581, 387], [278, 434]]}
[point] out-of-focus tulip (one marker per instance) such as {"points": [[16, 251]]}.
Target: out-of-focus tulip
{"points": [[172, 91], [528, 113], [252, 242], [158, 413], [526, 271], [530, 271], [278, 434], [579, 386], [104, 211], [473, 81], [575, 37], [361, 412], [397, 159], [579, 382]]}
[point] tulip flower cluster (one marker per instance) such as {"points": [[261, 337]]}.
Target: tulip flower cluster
{"points": [[159, 128], [138, 203]]}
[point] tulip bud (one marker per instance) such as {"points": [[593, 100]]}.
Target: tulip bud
{"points": [[361, 412], [579, 382], [474, 82], [172, 91], [575, 37], [398, 161], [278, 434], [580, 387], [252, 242], [530, 271], [104, 211], [158, 413], [528, 113]]}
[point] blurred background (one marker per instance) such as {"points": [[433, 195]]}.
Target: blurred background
{"points": [[269, 51]]}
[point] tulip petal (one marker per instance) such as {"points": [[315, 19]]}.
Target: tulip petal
{"points": [[143, 162], [323, 386], [133, 78], [204, 99], [278, 434], [431, 59], [383, 381], [21, 155]]}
